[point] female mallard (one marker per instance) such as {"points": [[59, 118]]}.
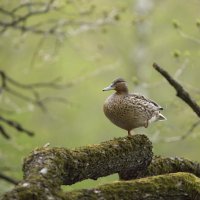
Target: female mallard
{"points": [[130, 111]]}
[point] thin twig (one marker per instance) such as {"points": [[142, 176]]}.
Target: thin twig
{"points": [[181, 92], [3, 132], [192, 128], [8, 179], [188, 37], [50, 84], [177, 138], [38, 47], [16, 125], [3, 79], [35, 98], [180, 70], [27, 4], [52, 26]]}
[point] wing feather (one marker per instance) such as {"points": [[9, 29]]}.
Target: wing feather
{"points": [[143, 98]]}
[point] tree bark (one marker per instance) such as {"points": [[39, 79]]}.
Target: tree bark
{"points": [[180, 91], [177, 186], [46, 169]]}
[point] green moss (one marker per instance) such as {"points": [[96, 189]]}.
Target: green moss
{"points": [[46, 169], [160, 165], [171, 186]]}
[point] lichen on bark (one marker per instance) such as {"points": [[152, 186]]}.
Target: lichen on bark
{"points": [[175, 186], [46, 169], [70, 166]]}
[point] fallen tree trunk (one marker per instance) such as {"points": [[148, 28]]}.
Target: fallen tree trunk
{"points": [[46, 169], [177, 186]]}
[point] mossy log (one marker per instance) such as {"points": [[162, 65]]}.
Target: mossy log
{"points": [[161, 165], [175, 186], [46, 169]]}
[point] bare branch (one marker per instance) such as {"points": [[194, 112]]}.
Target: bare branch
{"points": [[188, 37], [3, 11], [27, 5], [35, 53], [3, 132], [8, 179], [36, 99], [52, 26], [15, 88], [181, 92], [194, 126], [184, 136], [19, 95], [17, 20], [15, 125], [180, 70], [3, 79], [50, 84]]}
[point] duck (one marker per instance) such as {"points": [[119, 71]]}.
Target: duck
{"points": [[130, 110]]}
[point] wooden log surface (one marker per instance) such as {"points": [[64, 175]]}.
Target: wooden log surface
{"points": [[46, 169]]}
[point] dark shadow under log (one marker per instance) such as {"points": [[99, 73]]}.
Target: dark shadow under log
{"points": [[160, 165]]}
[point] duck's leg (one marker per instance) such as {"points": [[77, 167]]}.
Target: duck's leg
{"points": [[129, 132], [146, 124]]}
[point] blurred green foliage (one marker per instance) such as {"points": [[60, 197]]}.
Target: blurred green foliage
{"points": [[90, 54]]}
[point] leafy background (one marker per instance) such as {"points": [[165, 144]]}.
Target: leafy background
{"points": [[92, 53]]}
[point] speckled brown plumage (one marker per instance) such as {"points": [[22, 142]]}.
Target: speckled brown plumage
{"points": [[130, 111]]}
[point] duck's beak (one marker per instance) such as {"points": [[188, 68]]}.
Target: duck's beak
{"points": [[110, 87]]}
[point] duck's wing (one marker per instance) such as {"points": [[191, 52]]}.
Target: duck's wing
{"points": [[143, 98]]}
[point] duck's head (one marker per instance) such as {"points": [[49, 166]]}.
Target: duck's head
{"points": [[119, 85]]}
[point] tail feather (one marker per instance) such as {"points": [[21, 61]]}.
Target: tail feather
{"points": [[157, 117]]}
